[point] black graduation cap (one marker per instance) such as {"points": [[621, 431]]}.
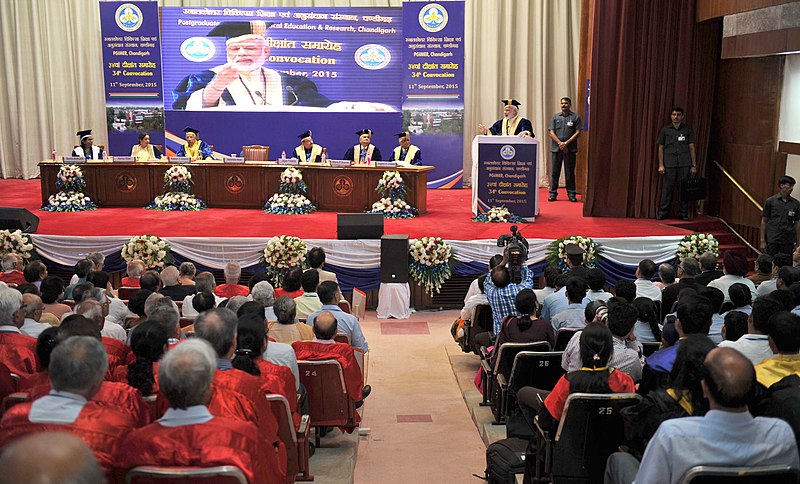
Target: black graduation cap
{"points": [[573, 249], [83, 133], [191, 130], [402, 135], [237, 29], [364, 131], [305, 135], [511, 102]]}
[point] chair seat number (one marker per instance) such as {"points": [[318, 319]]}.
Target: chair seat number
{"points": [[311, 372], [544, 363], [605, 410]]}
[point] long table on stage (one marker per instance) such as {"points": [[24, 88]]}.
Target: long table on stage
{"points": [[239, 185]]}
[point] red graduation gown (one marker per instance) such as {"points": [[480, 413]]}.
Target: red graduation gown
{"points": [[279, 380], [18, 352], [343, 353], [119, 397]]}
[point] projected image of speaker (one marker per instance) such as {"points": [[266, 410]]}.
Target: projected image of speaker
{"points": [[351, 226], [18, 219], [394, 258]]}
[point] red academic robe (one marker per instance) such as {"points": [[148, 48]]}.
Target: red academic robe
{"points": [[130, 282], [119, 354], [229, 290], [100, 428], [218, 442], [13, 277], [280, 380], [120, 397], [18, 353], [26, 383], [343, 353]]}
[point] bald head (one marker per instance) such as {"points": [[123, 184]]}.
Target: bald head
{"points": [[325, 325], [33, 306], [729, 381], [169, 276], [49, 458]]}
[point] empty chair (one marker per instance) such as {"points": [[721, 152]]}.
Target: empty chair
{"points": [[531, 369], [741, 475], [296, 440], [195, 475], [503, 362], [563, 336], [125, 293], [328, 402], [648, 348], [255, 152]]}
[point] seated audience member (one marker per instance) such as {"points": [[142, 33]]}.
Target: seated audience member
{"points": [[784, 340], [694, 317], [716, 298], [551, 272], [468, 312], [727, 435], [56, 457], [233, 272], [647, 328], [683, 397], [165, 311], [17, 350], [136, 306], [625, 289], [149, 342], [264, 293], [32, 304], [308, 302], [102, 280], [111, 326], [473, 286], [573, 316], [45, 344], [735, 325], [276, 353], [666, 276], [741, 299], [256, 278], [52, 290], [763, 270], [186, 375], [755, 344], [557, 301], [12, 265], [286, 329], [292, 284], [645, 287], [687, 271], [323, 347], [783, 296], [186, 273], [735, 268], [27, 288], [150, 280], [525, 328], [35, 272], [204, 282], [77, 367], [501, 291], [134, 271], [596, 280], [82, 269], [204, 301], [347, 323], [316, 260], [171, 286], [771, 284], [116, 348], [595, 312], [708, 269]]}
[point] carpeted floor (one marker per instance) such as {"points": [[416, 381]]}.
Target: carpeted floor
{"points": [[449, 216]]}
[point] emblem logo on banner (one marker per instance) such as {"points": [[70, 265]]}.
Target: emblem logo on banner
{"points": [[433, 17], [373, 56], [507, 152], [198, 49], [129, 17]]}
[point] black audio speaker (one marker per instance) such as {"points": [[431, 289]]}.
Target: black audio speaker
{"points": [[351, 226], [18, 218], [394, 258]]}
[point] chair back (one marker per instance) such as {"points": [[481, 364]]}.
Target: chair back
{"points": [[538, 369], [481, 322], [741, 475], [184, 322], [280, 409], [590, 430], [359, 303], [648, 348], [342, 338], [127, 292], [509, 351], [185, 475], [255, 152], [563, 336], [344, 306], [328, 403]]}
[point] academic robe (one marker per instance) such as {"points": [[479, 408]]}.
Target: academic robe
{"points": [[116, 396], [119, 354], [99, 427], [18, 352], [354, 154], [314, 157], [130, 282], [413, 155], [13, 277], [218, 442], [204, 151], [280, 380], [519, 124], [95, 154], [26, 383], [230, 290], [343, 353]]}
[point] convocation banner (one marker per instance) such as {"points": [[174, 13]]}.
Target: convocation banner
{"points": [[504, 174], [433, 86], [132, 74]]}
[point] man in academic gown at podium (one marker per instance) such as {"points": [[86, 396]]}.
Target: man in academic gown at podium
{"points": [[364, 151], [406, 153], [512, 123]]}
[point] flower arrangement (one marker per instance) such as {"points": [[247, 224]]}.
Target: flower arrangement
{"points": [[391, 185], [291, 199], [178, 192], [696, 244], [430, 262], [69, 198], [556, 254], [393, 208], [17, 242], [152, 250], [282, 253], [499, 214]]}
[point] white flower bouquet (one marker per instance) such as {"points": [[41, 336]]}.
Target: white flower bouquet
{"points": [[696, 244], [292, 181], [555, 253], [70, 178], [498, 214], [430, 262], [289, 204], [152, 250], [69, 202], [393, 208], [282, 253], [17, 242], [391, 185], [178, 179], [181, 201]]}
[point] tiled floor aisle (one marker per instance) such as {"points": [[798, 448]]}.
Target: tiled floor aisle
{"points": [[419, 426]]}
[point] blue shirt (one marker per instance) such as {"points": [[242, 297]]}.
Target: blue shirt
{"points": [[663, 360], [347, 324], [57, 407], [176, 417], [501, 300], [572, 317], [718, 439], [554, 304]]}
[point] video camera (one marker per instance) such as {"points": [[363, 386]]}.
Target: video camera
{"points": [[517, 248]]}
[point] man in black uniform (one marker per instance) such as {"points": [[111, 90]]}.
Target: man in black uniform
{"points": [[565, 127], [779, 228], [676, 161]]}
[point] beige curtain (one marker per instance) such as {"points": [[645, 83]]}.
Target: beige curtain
{"points": [[52, 73]]}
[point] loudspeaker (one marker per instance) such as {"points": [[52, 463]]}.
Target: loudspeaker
{"points": [[18, 218], [394, 258], [351, 226]]}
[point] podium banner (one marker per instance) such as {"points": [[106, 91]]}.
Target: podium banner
{"points": [[505, 174]]}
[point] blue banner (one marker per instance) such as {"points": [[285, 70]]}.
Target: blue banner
{"points": [[132, 74]]}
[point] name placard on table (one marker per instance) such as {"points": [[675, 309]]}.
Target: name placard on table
{"points": [[180, 159], [233, 159], [341, 163], [288, 161], [125, 159], [385, 164], [74, 159]]}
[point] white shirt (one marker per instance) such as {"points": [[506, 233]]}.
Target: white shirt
{"points": [[175, 417], [283, 354], [648, 289], [57, 407], [189, 311], [766, 288], [33, 328], [8, 328], [473, 290], [754, 346], [725, 282], [469, 308], [113, 330]]}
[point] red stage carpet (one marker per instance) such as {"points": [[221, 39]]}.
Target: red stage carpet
{"points": [[448, 217]]}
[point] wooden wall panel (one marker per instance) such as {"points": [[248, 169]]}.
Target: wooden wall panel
{"points": [[708, 9]]}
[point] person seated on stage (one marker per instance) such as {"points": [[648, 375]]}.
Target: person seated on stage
{"points": [[308, 152], [77, 367], [406, 153], [134, 271], [233, 272], [186, 375], [186, 273], [87, 149], [17, 350], [323, 347], [292, 285], [195, 148], [50, 457], [328, 294], [144, 151], [171, 286], [12, 269], [364, 151], [512, 123], [286, 329], [308, 302]]}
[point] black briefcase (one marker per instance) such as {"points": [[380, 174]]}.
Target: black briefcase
{"points": [[694, 188]]}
